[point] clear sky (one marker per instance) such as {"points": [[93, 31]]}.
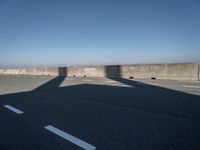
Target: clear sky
{"points": [[83, 32]]}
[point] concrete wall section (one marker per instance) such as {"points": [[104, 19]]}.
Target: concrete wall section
{"points": [[142, 71], [89, 71], [31, 71], [199, 72], [158, 71], [181, 71], [162, 71]]}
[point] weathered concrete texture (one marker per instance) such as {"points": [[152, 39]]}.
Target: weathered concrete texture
{"points": [[199, 72], [178, 71], [162, 71], [90, 71], [31, 71], [158, 71]]}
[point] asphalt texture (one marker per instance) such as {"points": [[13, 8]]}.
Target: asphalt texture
{"points": [[107, 113]]}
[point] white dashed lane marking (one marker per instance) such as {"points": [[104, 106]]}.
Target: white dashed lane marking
{"points": [[191, 86], [13, 109], [70, 138]]}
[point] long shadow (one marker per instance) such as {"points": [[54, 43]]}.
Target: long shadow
{"points": [[54, 83], [156, 99], [110, 117]]}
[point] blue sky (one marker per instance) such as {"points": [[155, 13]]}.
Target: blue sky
{"points": [[83, 32]]}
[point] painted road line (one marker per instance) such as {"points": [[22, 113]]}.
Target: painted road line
{"points": [[13, 109], [191, 86], [70, 138]]}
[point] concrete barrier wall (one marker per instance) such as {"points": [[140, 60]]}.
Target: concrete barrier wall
{"points": [[158, 71], [31, 71], [90, 71], [199, 72], [162, 71]]}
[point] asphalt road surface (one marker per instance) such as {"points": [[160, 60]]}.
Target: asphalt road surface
{"points": [[46, 113]]}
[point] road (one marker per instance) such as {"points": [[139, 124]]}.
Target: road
{"points": [[57, 113]]}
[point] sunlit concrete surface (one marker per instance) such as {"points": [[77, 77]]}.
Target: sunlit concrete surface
{"points": [[177, 71], [98, 113]]}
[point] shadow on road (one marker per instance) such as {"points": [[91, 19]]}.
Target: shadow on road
{"points": [[54, 83], [138, 117]]}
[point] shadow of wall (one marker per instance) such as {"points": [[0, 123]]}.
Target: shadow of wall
{"points": [[113, 71], [157, 112], [62, 71], [55, 82]]}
